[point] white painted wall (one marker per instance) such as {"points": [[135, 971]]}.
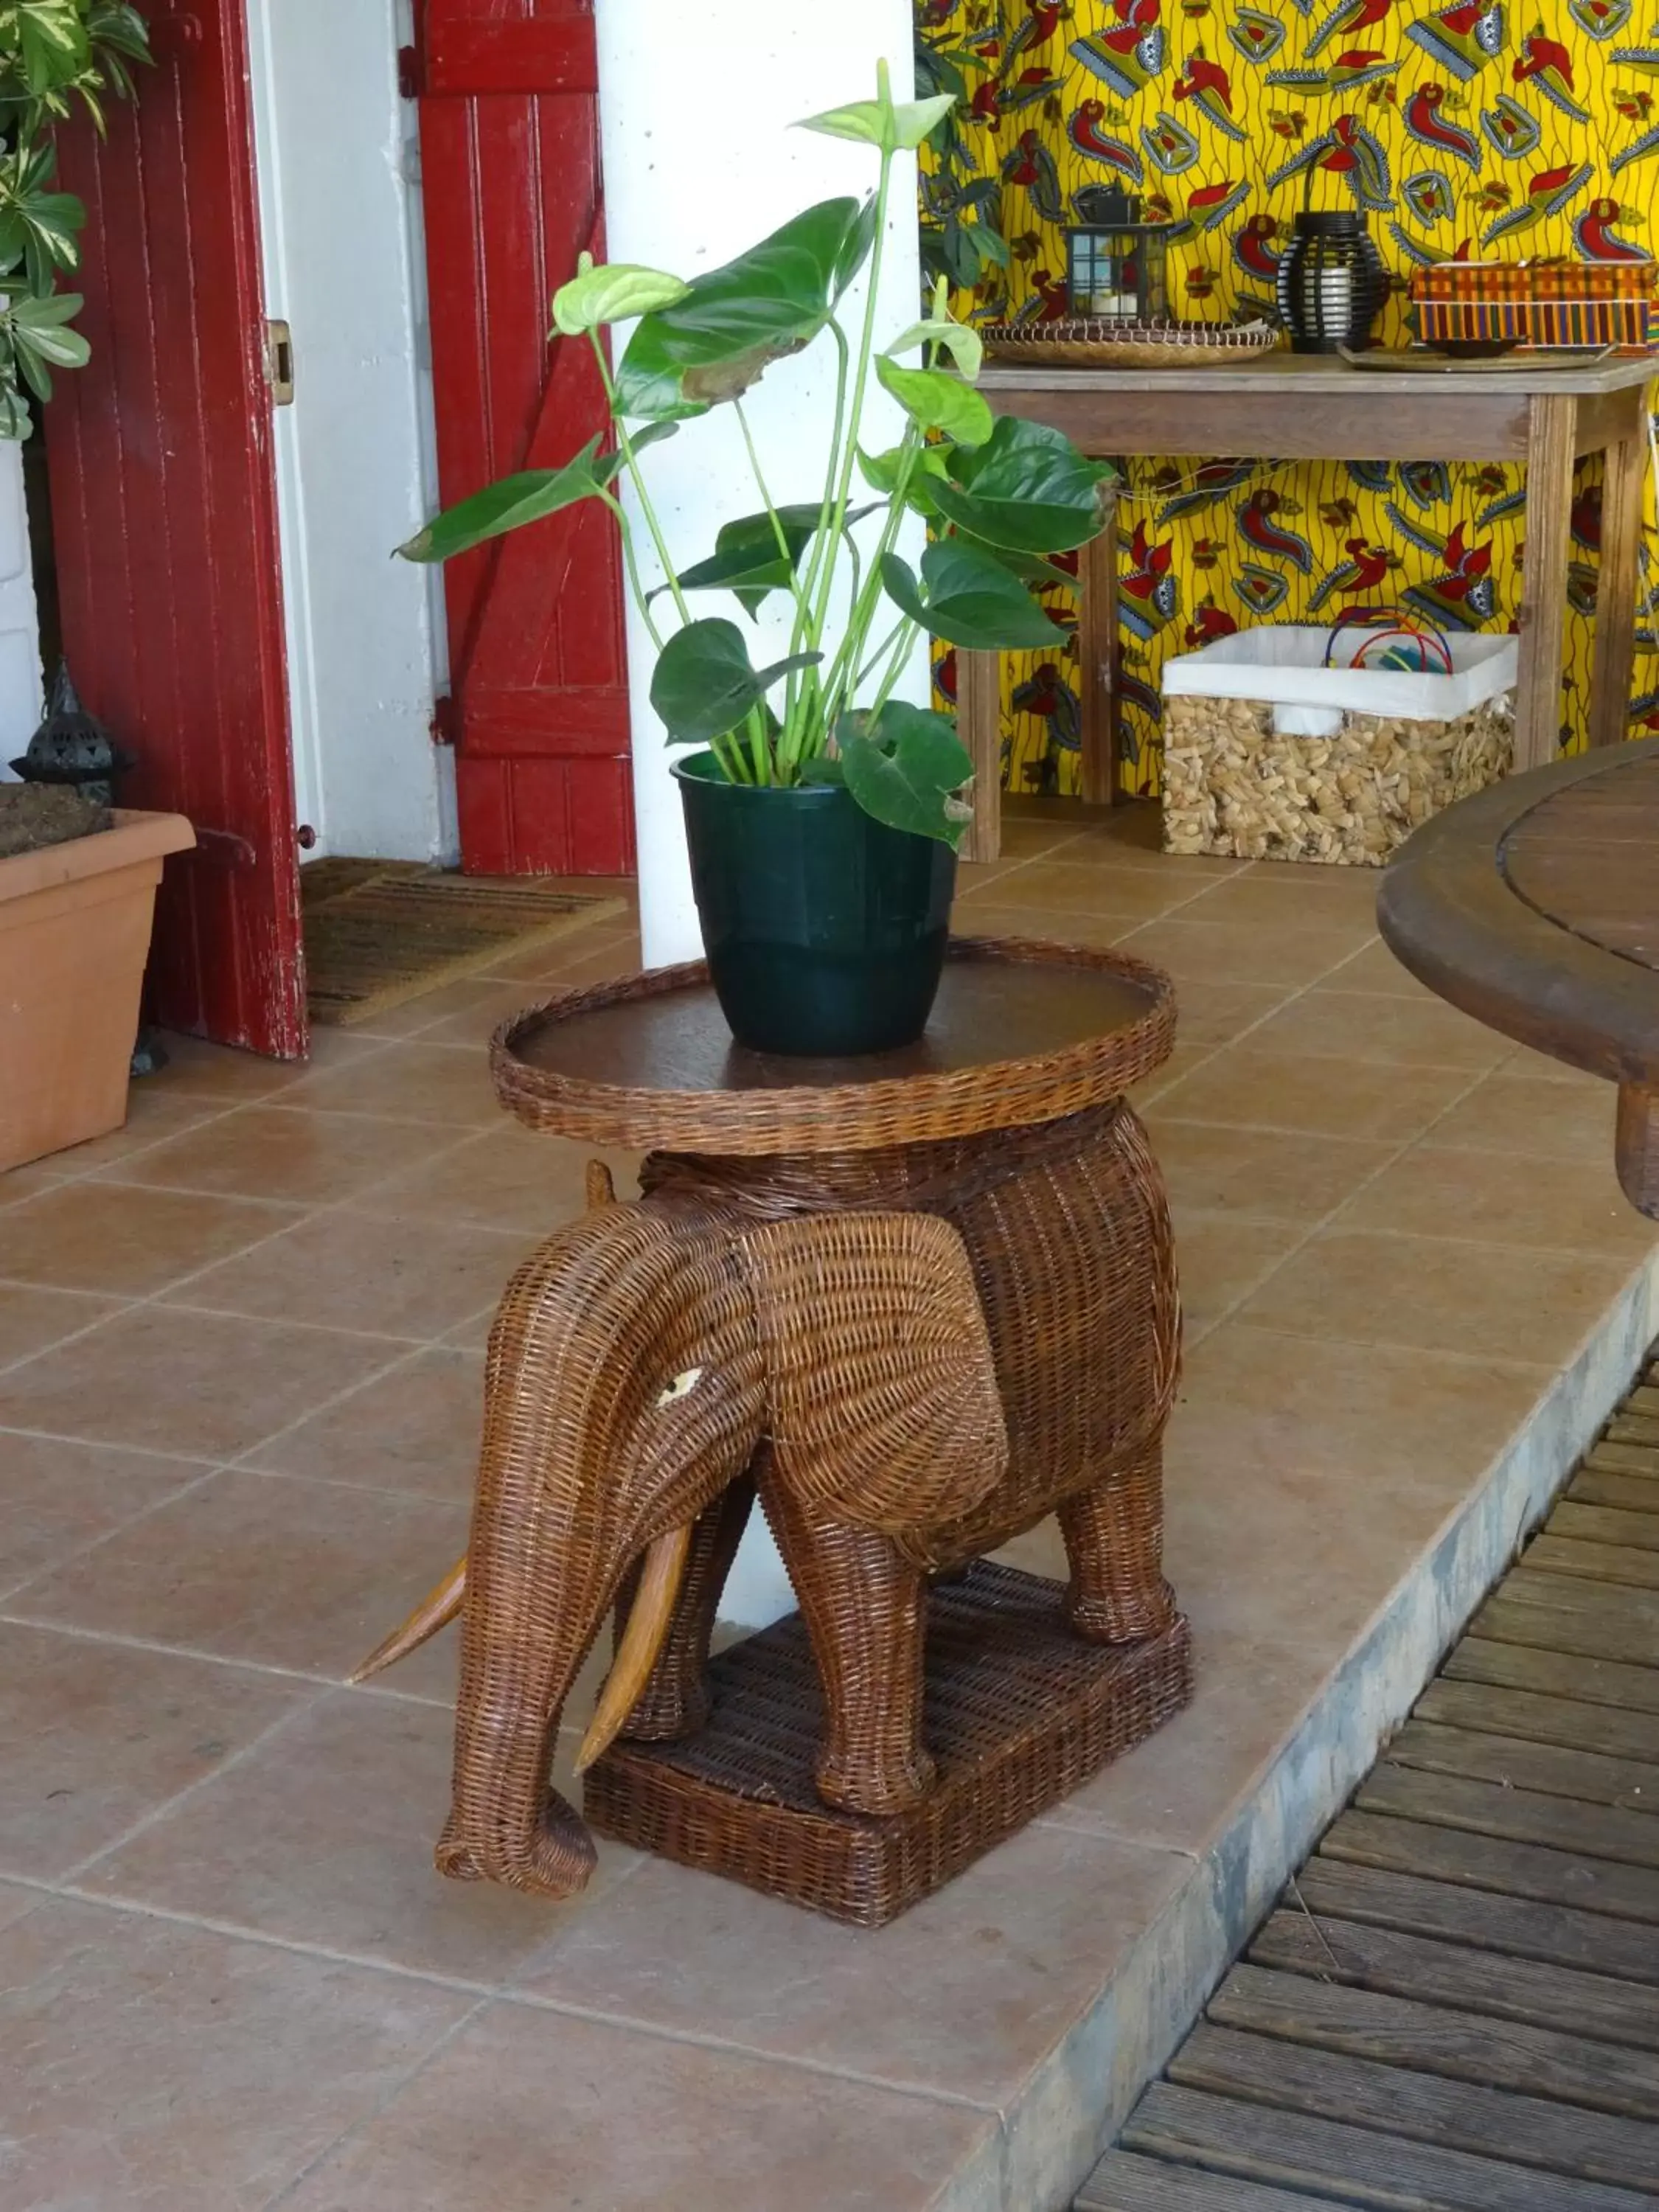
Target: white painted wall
{"points": [[345, 265], [696, 104], [699, 162], [20, 633]]}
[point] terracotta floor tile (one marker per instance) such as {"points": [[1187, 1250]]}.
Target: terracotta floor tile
{"points": [[152, 1114], [1376, 969], [526, 2109], [1061, 887], [206, 1386], [215, 1070], [508, 1178], [325, 1835], [1212, 1014], [1258, 1172], [1280, 896], [1102, 845], [412, 1082], [17, 1184], [466, 1013], [31, 1318], [1179, 1790], [272, 1152], [1367, 1026], [1197, 947], [1221, 1259], [16, 1900], [283, 1573], [1039, 1922], [126, 1240], [155, 2068], [1247, 1085], [98, 1736], [415, 1429], [1517, 1109], [1256, 1403], [1440, 1296], [1573, 1204], [394, 1276], [1061, 926], [55, 1498]]}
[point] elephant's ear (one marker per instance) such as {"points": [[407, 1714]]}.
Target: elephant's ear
{"points": [[884, 1401]]}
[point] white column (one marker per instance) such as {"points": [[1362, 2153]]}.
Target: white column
{"points": [[695, 106], [19, 635]]}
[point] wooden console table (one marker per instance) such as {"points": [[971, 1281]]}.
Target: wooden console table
{"points": [[1535, 907], [1305, 407]]}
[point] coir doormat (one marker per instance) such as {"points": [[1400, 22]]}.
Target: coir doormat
{"points": [[380, 931]]}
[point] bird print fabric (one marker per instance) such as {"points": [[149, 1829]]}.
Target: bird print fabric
{"points": [[1510, 129]]}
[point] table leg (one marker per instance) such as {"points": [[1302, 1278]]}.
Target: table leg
{"points": [[1551, 423], [1097, 654], [1615, 597], [979, 722]]}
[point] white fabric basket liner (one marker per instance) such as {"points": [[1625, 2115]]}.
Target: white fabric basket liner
{"points": [[1281, 663]]}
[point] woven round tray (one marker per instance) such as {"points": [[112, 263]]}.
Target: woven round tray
{"points": [[1097, 343], [1024, 1031]]}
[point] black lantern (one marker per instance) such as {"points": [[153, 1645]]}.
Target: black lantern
{"points": [[73, 747], [1115, 267]]}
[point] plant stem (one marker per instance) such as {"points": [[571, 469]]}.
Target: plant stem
{"points": [[843, 672], [630, 461], [802, 701], [630, 560], [860, 386], [910, 632]]}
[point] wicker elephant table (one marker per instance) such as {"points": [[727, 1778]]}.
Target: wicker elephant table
{"points": [[914, 1304]]}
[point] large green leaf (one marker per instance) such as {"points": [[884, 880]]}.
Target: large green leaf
{"points": [[513, 501], [890, 125], [907, 770], [51, 40], [965, 346], [1026, 487], [969, 600], [747, 560], [736, 321], [704, 683], [612, 292], [38, 227], [936, 401]]}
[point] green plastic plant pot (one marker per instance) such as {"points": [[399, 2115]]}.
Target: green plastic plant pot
{"points": [[825, 930]]}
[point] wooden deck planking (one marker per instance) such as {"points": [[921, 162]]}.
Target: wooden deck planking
{"points": [[1456, 2006]]}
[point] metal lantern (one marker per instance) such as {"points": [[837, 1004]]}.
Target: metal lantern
{"points": [[73, 747], [1116, 263]]}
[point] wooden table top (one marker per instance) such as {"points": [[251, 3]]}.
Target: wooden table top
{"points": [[1022, 1032], [1286, 375], [1535, 907]]}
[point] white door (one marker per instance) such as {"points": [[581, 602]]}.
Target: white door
{"points": [[339, 204]]}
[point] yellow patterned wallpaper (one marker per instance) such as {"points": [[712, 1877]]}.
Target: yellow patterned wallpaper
{"points": [[1501, 126]]}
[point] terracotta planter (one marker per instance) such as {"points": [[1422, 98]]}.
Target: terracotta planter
{"points": [[74, 936]]}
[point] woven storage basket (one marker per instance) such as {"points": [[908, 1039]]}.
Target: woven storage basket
{"points": [[1239, 783]]}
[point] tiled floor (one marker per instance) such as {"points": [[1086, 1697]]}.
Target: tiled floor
{"points": [[239, 1370]]}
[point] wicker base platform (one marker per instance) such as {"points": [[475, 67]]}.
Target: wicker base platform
{"points": [[1019, 1712]]}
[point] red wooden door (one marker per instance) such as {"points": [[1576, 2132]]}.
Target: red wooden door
{"points": [[510, 164], [165, 521]]}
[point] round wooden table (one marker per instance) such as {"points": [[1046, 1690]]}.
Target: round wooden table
{"points": [[946, 1276], [1535, 907]]}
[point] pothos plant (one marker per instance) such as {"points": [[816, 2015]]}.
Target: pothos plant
{"points": [[53, 53], [998, 495]]}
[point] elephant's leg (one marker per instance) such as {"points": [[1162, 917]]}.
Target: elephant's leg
{"points": [[675, 1700], [865, 1612], [1115, 1542]]}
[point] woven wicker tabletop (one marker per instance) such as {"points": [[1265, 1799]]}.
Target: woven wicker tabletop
{"points": [[1022, 1032]]}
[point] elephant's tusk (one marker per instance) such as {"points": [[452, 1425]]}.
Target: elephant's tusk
{"points": [[648, 1620], [434, 1610]]}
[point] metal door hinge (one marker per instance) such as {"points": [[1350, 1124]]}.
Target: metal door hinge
{"points": [[279, 364]]}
